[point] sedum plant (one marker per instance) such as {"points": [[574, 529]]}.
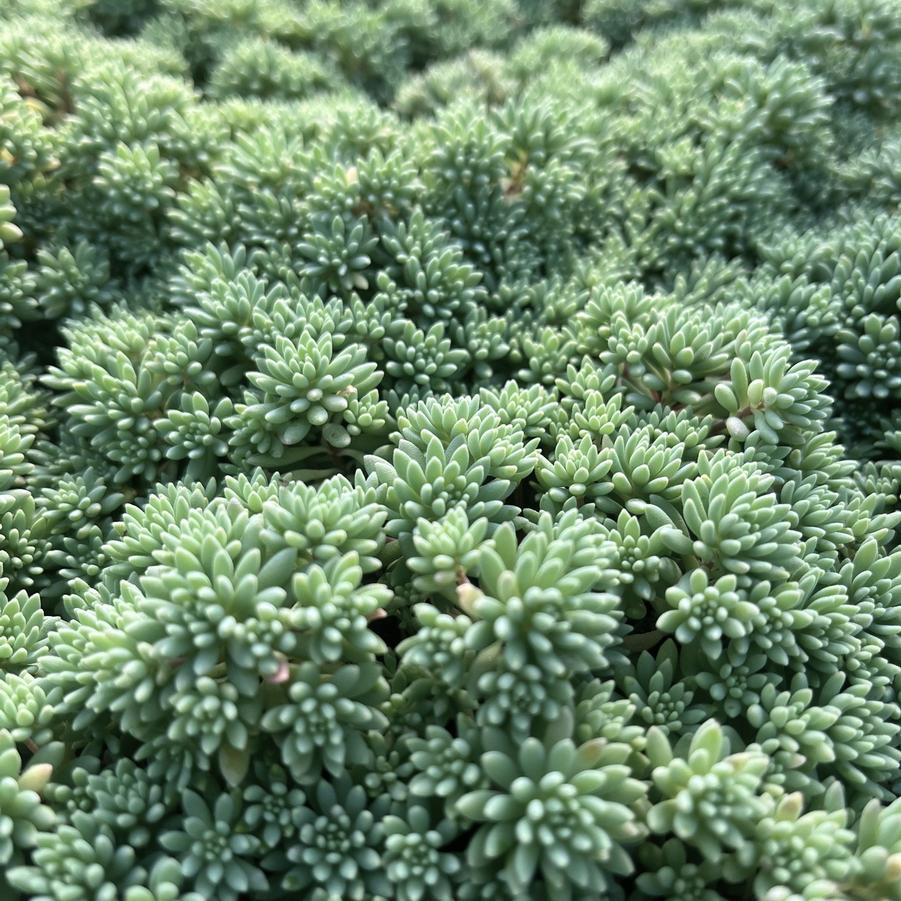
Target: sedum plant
{"points": [[450, 450]]}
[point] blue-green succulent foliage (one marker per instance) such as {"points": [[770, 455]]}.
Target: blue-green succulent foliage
{"points": [[450, 449]]}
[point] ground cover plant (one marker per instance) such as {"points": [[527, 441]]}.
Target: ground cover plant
{"points": [[450, 449]]}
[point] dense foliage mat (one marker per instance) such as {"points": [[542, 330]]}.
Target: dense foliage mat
{"points": [[450, 449]]}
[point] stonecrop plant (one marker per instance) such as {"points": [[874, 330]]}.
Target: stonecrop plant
{"points": [[450, 450]]}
